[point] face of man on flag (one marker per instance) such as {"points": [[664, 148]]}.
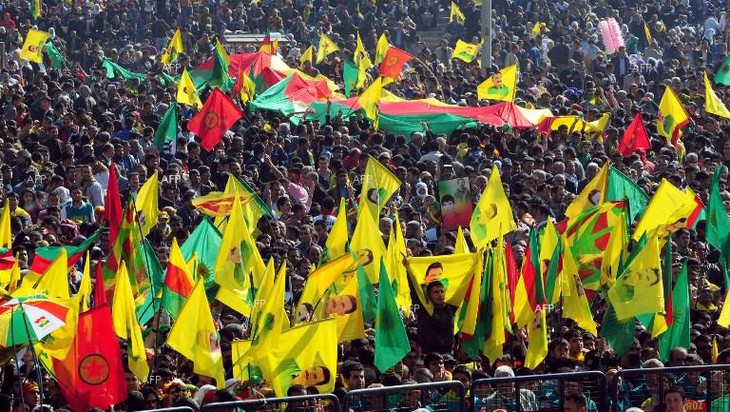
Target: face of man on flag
{"points": [[341, 305], [315, 376]]}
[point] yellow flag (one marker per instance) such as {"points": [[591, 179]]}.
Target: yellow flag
{"points": [[14, 276], [471, 312], [194, 336], [237, 258], [500, 86], [367, 236], [455, 14], [313, 347], [575, 302], [186, 92], [248, 88], [493, 346], [647, 33], [464, 51], [126, 325], [549, 241], [639, 289], [612, 257], [460, 246], [82, 296], [222, 51], [453, 271], [147, 204], [672, 116], [668, 210], [381, 48], [270, 317], [345, 306], [311, 303], [307, 56], [362, 71], [538, 343], [369, 100], [33, 45], [724, 319], [6, 237], [593, 194], [252, 211], [336, 244], [378, 186], [326, 47], [492, 217], [360, 52], [174, 48], [715, 350], [713, 104], [394, 254], [54, 282]]}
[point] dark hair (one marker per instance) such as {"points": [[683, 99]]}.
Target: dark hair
{"points": [[675, 389], [431, 357], [577, 398], [350, 366]]}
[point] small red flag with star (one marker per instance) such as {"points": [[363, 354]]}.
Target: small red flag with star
{"points": [[92, 374], [218, 114], [393, 62], [635, 139]]}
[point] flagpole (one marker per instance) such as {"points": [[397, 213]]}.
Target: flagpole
{"points": [[17, 361], [32, 352], [486, 20]]}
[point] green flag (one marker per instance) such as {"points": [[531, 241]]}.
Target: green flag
{"points": [[552, 280], [718, 222], [349, 75], [620, 187], [367, 296], [618, 334], [114, 70], [167, 130], [723, 74], [57, 59], [391, 340], [205, 241], [146, 311], [678, 333], [219, 77]]}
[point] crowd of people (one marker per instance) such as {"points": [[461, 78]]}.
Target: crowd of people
{"points": [[62, 129]]}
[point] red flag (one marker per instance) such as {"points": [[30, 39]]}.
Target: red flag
{"points": [[635, 139], [92, 374], [113, 205], [393, 62], [218, 114], [99, 290]]}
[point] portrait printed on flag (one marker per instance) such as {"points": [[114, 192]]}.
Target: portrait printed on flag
{"points": [[456, 206]]}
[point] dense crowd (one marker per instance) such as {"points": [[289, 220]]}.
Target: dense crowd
{"points": [[62, 129]]}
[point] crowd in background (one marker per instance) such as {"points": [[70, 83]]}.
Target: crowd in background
{"points": [[62, 129]]}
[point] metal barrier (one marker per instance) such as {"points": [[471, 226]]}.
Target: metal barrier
{"points": [[305, 403], [175, 409], [539, 392], [706, 387], [447, 396]]}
